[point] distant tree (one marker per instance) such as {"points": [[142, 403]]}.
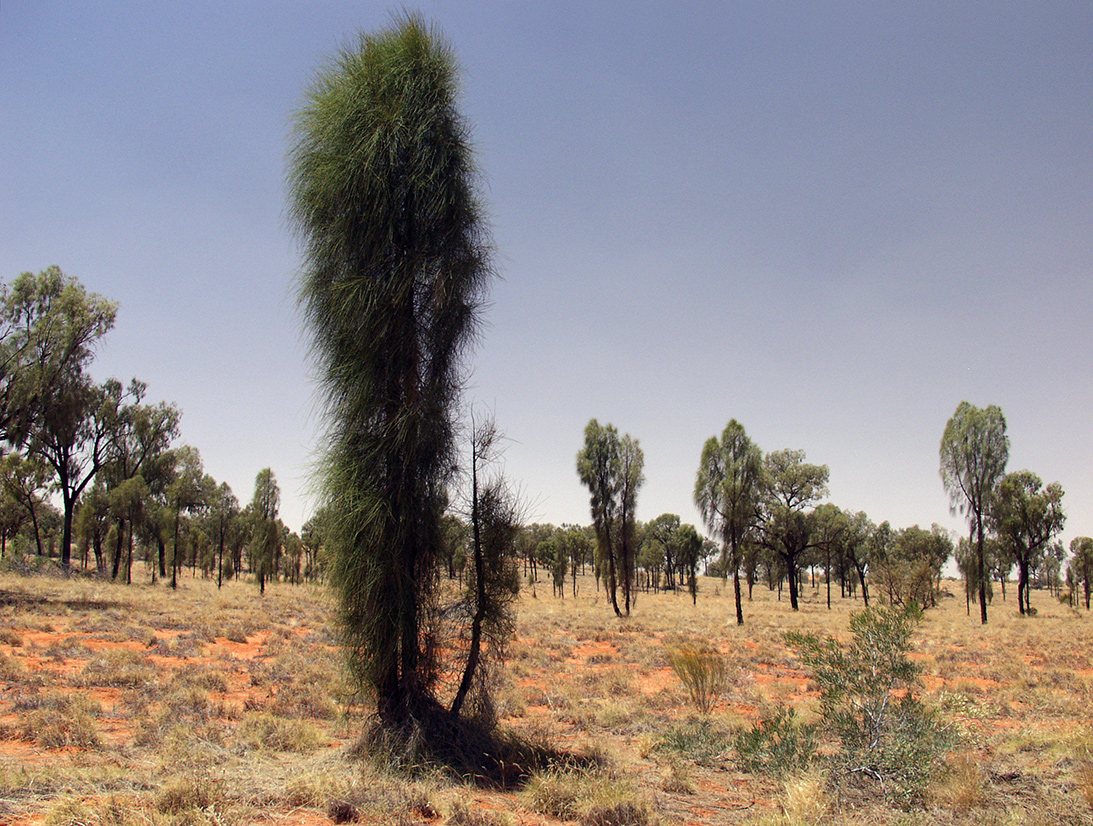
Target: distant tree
{"points": [[832, 534], [973, 455], [185, 494], [727, 491], [579, 545], [690, 554], [139, 436], [12, 512], [49, 326], [661, 540], [610, 467], [1049, 573], [292, 556], [787, 527], [311, 535], [1026, 516], [910, 570], [396, 268], [598, 468], [265, 530], [456, 534], [857, 544], [1080, 567], [632, 476], [223, 514], [49, 406], [129, 505], [24, 481]]}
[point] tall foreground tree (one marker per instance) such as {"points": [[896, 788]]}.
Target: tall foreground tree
{"points": [[395, 271], [974, 452], [1026, 515], [727, 489]]}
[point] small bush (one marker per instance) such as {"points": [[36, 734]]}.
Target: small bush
{"points": [[885, 734], [702, 670], [778, 744]]}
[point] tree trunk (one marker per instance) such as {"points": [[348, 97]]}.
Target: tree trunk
{"points": [[480, 596], [791, 568], [982, 570]]}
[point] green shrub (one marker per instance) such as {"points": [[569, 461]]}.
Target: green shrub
{"points": [[702, 670], [778, 744], [885, 734], [699, 739]]}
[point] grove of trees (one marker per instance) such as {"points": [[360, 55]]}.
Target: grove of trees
{"points": [[127, 493]]}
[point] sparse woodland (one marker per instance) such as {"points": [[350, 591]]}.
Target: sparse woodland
{"points": [[419, 654]]}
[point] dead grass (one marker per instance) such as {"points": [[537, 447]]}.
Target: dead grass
{"points": [[247, 694]]}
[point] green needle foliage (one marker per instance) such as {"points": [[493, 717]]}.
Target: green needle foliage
{"points": [[395, 273]]}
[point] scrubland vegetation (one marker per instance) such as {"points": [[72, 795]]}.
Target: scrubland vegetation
{"points": [[136, 705]]}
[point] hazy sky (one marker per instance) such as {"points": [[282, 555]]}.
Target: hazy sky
{"points": [[831, 221]]}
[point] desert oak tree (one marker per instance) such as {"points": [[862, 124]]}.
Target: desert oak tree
{"points": [[396, 265], [973, 456]]}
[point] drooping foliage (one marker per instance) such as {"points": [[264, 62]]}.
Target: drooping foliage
{"points": [[973, 455], [395, 272], [611, 467], [727, 489]]}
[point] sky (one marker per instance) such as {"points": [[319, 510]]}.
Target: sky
{"points": [[830, 221]]}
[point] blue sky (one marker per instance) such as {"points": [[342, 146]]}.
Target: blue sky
{"points": [[830, 221]]}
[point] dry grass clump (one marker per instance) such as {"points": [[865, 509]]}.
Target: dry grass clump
{"points": [[964, 787], [113, 810], [371, 795], [118, 668], [265, 731], [702, 669], [594, 797], [182, 794], [803, 802], [10, 668], [463, 814], [57, 721]]}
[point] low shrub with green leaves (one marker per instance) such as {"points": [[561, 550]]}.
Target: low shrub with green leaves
{"points": [[867, 701], [700, 739], [779, 744]]}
